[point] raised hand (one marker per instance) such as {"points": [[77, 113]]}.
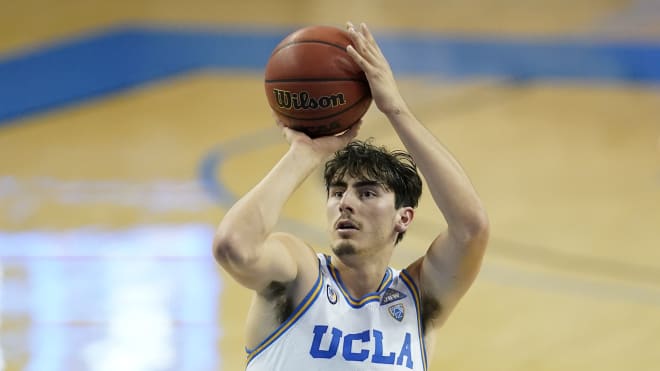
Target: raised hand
{"points": [[367, 54]]}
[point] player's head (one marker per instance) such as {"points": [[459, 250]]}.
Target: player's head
{"points": [[394, 170]]}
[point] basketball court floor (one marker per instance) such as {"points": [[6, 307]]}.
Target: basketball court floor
{"points": [[128, 128]]}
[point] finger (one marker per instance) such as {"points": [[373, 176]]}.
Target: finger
{"points": [[357, 57], [369, 41], [277, 119], [364, 42], [291, 134], [364, 31], [368, 35], [353, 34], [352, 131]]}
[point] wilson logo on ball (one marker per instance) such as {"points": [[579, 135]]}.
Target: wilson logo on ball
{"points": [[304, 101]]}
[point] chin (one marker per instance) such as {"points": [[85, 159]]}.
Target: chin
{"points": [[344, 248]]}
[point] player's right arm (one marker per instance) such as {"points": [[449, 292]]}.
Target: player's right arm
{"points": [[245, 244]]}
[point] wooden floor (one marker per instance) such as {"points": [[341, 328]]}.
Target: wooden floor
{"points": [[108, 204]]}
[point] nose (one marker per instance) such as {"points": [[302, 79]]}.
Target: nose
{"points": [[346, 202]]}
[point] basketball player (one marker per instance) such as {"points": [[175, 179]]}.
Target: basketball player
{"points": [[350, 310]]}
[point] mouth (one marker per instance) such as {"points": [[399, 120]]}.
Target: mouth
{"points": [[346, 225]]}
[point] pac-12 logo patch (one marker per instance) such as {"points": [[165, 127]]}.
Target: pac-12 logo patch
{"points": [[397, 311], [390, 296], [332, 294]]}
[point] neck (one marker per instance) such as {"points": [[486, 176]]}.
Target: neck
{"points": [[362, 275]]}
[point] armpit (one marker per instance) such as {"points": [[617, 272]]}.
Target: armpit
{"points": [[276, 293], [431, 310]]}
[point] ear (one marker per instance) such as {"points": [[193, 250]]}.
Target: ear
{"points": [[405, 216]]}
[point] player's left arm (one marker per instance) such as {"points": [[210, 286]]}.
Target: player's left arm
{"points": [[452, 262]]}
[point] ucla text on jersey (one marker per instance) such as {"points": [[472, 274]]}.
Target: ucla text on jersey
{"points": [[349, 349]]}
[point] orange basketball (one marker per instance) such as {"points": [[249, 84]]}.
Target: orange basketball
{"points": [[313, 85]]}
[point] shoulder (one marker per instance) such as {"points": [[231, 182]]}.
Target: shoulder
{"points": [[306, 260], [299, 250]]}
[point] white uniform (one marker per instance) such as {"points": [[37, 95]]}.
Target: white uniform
{"points": [[332, 331]]}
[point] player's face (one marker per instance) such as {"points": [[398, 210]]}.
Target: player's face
{"points": [[361, 216]]}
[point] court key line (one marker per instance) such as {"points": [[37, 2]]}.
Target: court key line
{"points": [[212, 163]]}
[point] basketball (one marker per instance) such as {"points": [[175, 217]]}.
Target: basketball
{"points": [[313, 85]]}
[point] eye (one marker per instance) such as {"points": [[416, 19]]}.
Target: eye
{"points": [[337, 194], [368, 193]]}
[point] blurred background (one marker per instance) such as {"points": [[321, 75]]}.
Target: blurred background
{"points": [[127, 128]]}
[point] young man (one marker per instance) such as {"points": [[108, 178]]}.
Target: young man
{"points": [[351, 311]]}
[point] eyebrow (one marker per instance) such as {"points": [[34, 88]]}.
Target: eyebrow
{"points": [[367, 183], [362, 183]]}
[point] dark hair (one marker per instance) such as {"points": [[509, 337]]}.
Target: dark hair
{"points": [[395, 170]]}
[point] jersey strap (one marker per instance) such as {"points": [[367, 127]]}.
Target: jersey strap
{"points": [[410, 283]]}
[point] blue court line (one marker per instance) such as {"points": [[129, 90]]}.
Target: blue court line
{"points": [[109, 61], [609, 280], [212, 162]]}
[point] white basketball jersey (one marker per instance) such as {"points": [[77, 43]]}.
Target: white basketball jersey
{"points": [[330, 330]]}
